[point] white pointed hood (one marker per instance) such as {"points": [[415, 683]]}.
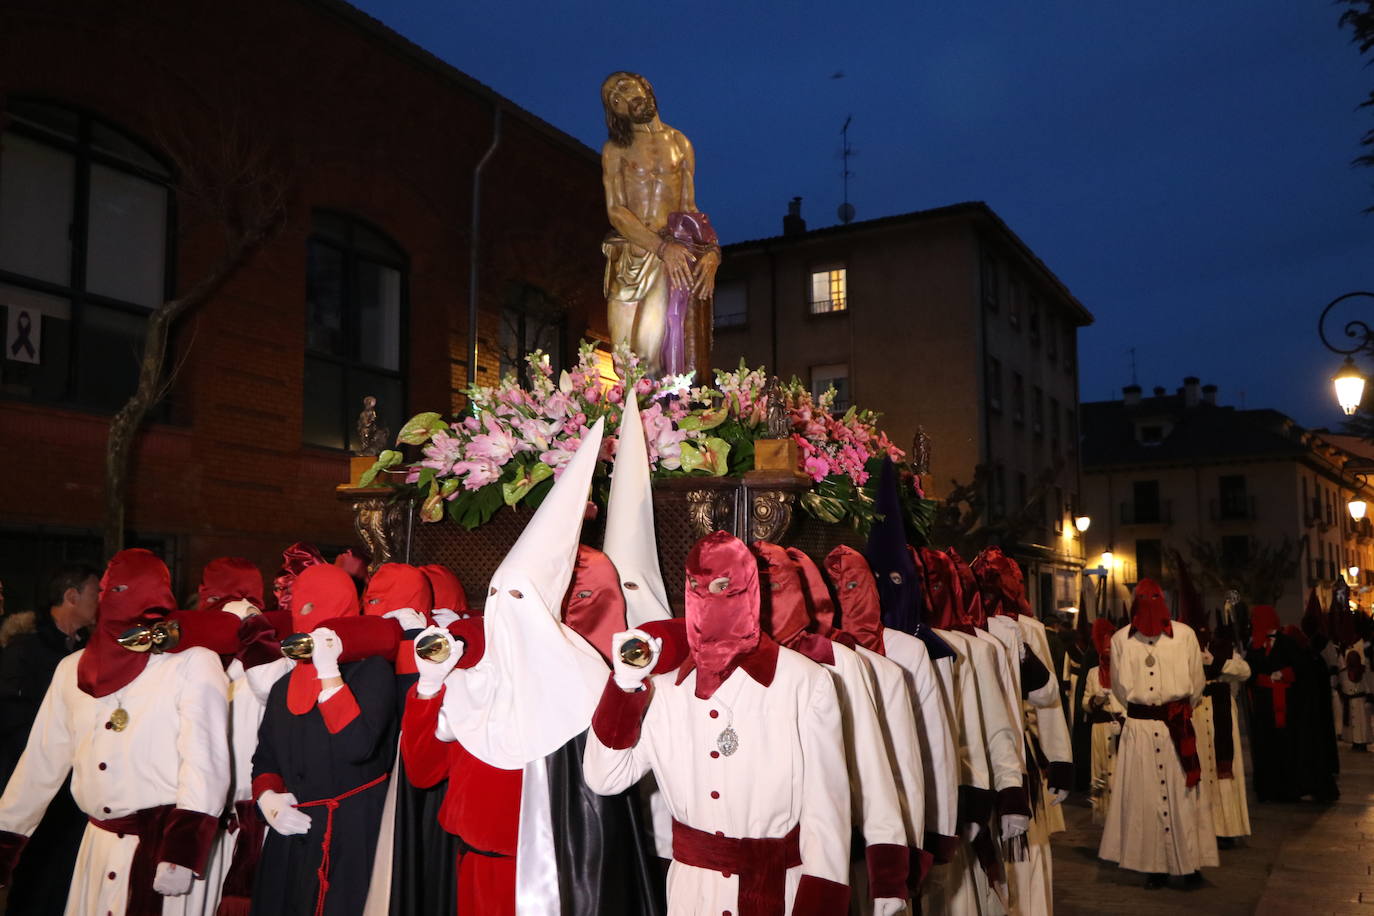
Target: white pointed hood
{"points": [[629, 538], [538, 681]]}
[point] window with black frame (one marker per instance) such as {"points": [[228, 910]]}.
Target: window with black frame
{"points": [[531, 320], [355, 326], [86, 218]]}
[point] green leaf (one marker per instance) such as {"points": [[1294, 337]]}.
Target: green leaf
{"points": [[420, 427], [708, 418], [448, 487], [535, 498], [826, 509], [515, 490], [710, 455], [474, 508], [432, 509], [387, 459], [426, 478]]}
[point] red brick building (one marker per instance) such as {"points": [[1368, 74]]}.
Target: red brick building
{"points": [[364, 290]]}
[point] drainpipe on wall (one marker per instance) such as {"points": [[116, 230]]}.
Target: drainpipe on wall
{"points": [[473, 240]]}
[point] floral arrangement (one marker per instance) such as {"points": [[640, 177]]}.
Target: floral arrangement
{"points": [[517, 439]]}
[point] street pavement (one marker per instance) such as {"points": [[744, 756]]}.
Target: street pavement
{"points": [[1301, 858]]}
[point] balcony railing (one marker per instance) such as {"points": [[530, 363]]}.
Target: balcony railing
{"points": [[1157, 513], [1233, 510]]}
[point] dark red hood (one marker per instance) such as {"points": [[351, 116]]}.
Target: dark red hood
{"points": [[229, 579], [1149, 610], [944, 592], [321, 593], [783, 602], [594, 606], [136, 588], [861, 612], [1102, 641], [395, 586], [722, 598], [447, 588]]}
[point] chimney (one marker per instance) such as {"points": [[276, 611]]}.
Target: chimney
{"points": [[1191, 395], [1130, 395], [1209, 395], [792, 223], [1159, 391]]}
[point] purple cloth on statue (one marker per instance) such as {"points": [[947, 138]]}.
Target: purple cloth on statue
{"points": [[693, 230]]}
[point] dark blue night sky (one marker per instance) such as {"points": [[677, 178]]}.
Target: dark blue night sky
{"points": [[1182, 166]]}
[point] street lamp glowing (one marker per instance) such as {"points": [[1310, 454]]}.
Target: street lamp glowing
{"points": [[1349, 384], [1358, 508], [1354, 572], [1082, 523], [1107, 558]]}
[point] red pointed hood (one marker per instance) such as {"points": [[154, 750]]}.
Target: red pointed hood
{"points": [[1102, 641], [783, 601], [229, 579], [294, 560], [722, 598], [395, 586], [594, 606], [1000, 583], [820, 607], [1149, 610], [321, 593], [861, 613], [136, 588], [447, 589], [1264, 622]]}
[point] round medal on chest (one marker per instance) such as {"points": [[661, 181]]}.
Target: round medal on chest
{"points": [[727, 741], [1150, 660], [119, 719]]}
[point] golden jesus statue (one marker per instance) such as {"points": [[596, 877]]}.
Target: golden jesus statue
{"points": [[662, 256]]}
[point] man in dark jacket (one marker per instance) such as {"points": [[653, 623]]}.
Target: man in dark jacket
{"points": [[31, 645]]}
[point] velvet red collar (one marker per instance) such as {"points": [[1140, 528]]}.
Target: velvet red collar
{"points": [[1167, 629], [760, 664]]}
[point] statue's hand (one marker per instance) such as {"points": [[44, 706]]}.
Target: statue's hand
{"points": [[705, 282], [678, 260]]}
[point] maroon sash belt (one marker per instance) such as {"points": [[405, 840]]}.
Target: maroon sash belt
{"points": [[147, 825], [1178, 716], [1102, 716], [237, 896], [761, 864], [1221, 727], [1280, 691], [331, 805]]}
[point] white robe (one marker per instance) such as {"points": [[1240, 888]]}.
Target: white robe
{"points": [[1230, 811], [896, 716], [1352, 710], [173, 752], [789, 770], [1106, 735], [1155, 824], [1045, 714], [934, 731]]}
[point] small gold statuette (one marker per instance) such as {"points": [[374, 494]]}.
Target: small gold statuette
{"points": [[119, 719], [636, 652], [298, 647], [432, 647]]}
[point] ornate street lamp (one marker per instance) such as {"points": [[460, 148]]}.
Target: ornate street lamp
{"points": [[1349, 382], [1081, 523], [1358, 508]]}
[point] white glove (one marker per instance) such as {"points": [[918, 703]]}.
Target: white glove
{"points": [[241, 608], [1013, 825], [279, 808], [1276, 676], [627, 677], [889, 906], [433, 674], [408, 618], [328, 648], [1058, 795], [172, 880], [444, 616]]}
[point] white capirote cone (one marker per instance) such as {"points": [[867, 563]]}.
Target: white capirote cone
{"points": [[629, 538], [538, 681]]}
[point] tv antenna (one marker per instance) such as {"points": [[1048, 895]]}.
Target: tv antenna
{"points": [[846, 210]]}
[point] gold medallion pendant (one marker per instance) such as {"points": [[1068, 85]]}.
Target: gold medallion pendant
{"points": [[119, 719]]}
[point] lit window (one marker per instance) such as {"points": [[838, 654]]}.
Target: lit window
{"points": [[355, 303], [85, 215], [836, 376], [829, 290], [731, 305]]}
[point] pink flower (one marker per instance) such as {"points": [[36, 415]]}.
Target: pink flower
{"points": [[616, 394], [496, 444], [644, 386], [817, 467], [479, 473]]}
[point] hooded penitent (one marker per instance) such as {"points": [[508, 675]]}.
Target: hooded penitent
{"points": [[1000, 583], [322, 593], [629, 539], [594, 606], [395, 586], [538, 682], [722, 597], [968, 589], [294, 560], [229, 579], [447, 589], [894, 570], [820, 606], [1102, 641], [944, 592], [1264, 622], [1149, 610], [782, 604], [136, 588], [1314, 623], [857, 597]]}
